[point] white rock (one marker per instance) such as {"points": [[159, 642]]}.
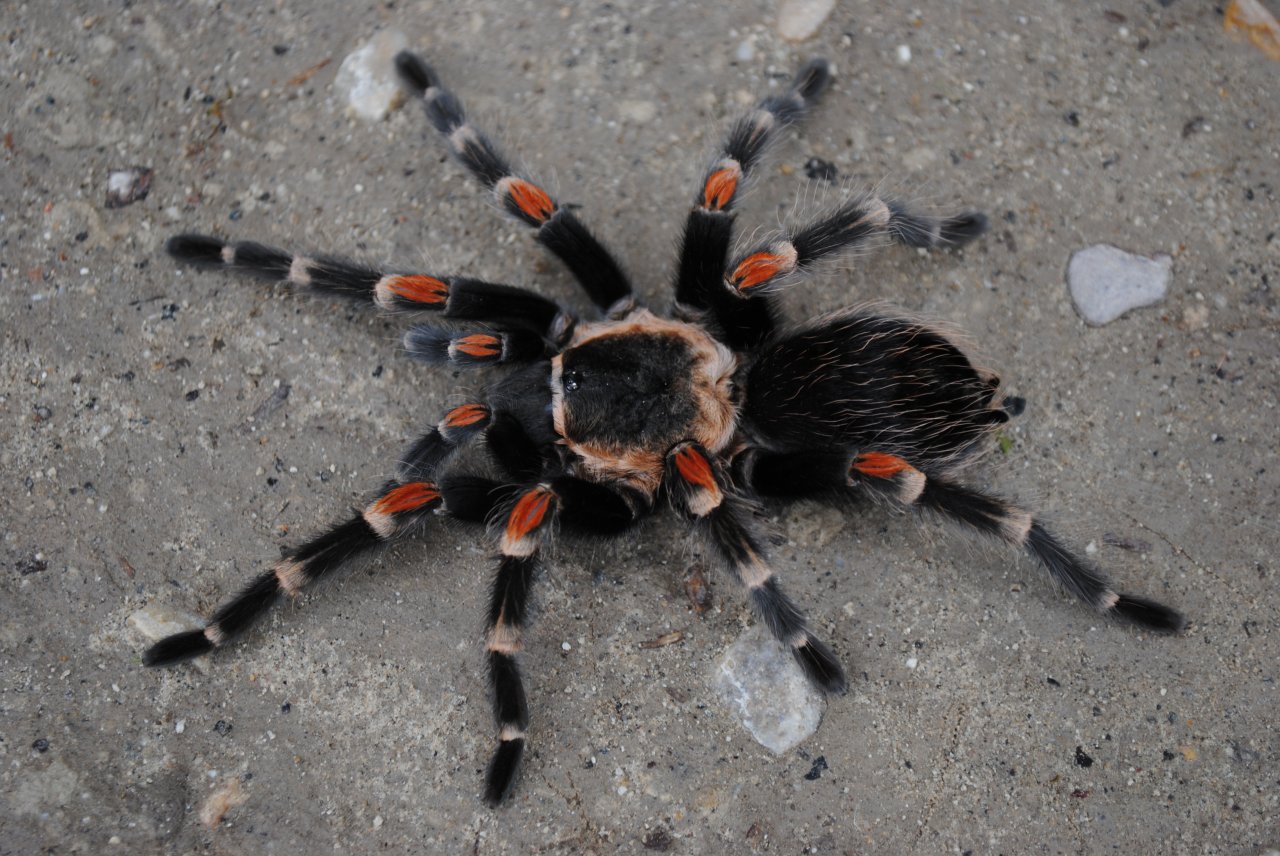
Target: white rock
{"points": [[800, 19], [904, 54], [367, 77], [158, 621], [1106, 282], [758, 680]]}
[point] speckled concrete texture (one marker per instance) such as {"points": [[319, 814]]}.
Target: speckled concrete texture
{"points": [[988, 713]]}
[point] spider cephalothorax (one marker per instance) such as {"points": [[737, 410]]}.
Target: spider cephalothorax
{"points": [[718, 407]]}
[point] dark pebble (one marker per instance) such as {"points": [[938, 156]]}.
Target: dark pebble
{"points": [[815, 772], [1051, 682], [286, 707], [41, 745], [1073, 119], [32, 566], [193, 395], [820, 170], [1083, 760], [222, 727], [235, 213], [279, 50]]}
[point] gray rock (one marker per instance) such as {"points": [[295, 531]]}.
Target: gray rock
{"points": [[367, 78], [1106, 282], [763, 685]]}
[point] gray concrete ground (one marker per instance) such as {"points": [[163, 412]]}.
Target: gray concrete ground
{"points": [[358, 720]]}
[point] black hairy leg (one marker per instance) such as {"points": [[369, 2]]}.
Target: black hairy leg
{"points": [[453, 297], [876, 475], [558, 228], [708, 230], [699, 489], [787, 258], [399, 505]]}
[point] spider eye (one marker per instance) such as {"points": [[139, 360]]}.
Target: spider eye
{"points": [[571, 381]]}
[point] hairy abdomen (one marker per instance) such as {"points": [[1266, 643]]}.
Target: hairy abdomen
{"points": [[869, 382]]}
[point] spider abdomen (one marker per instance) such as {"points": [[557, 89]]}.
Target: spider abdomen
{"points": [[857, 380]]}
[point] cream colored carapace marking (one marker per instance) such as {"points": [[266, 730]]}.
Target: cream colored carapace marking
{"points": [[1015, 526], [228, 255], [713, 369], [510, 732], [300, 271], [215, 636], [291, 576], [503, 638]]}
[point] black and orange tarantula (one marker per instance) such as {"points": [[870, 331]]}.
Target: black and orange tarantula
{"points": [[715, 407]]}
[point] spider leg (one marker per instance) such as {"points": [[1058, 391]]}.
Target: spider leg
{"points": [[890, 478], [558, 229], [698, 488], [402, 502], [787, 257], [454, 297], [591, 507], [704, 248], [468, 348]]}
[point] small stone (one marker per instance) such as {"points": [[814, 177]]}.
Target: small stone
{"points": [[638, 112], [1195, 317], [127, 186], [904, 54], [367, 77], [758, 680], [800, 19], [1105, 282], [156, 622], [746, 51]]}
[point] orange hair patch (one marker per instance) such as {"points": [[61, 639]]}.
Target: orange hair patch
{"points": [[531, 199], [758, 268], [695, 469], [879, 465], [419, 288], [720, 187], [406, 497], [529, 512], [479, 345], [466, 414]]}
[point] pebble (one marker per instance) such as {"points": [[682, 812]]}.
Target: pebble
{"points": [[1105, 282], [157, 621], [127, 186], [800, 19], [904, 54], [367, 77], [758, 680]]}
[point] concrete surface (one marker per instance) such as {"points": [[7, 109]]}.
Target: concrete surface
{"points": [[357, 720]]}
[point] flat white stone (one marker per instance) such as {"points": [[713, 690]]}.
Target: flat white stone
{"points": [[1106, 282], [800, 19], [759, 680], [367, 77], [158, 621]]}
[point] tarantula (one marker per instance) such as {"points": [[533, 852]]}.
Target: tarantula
{"points": [[714, 407]]}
